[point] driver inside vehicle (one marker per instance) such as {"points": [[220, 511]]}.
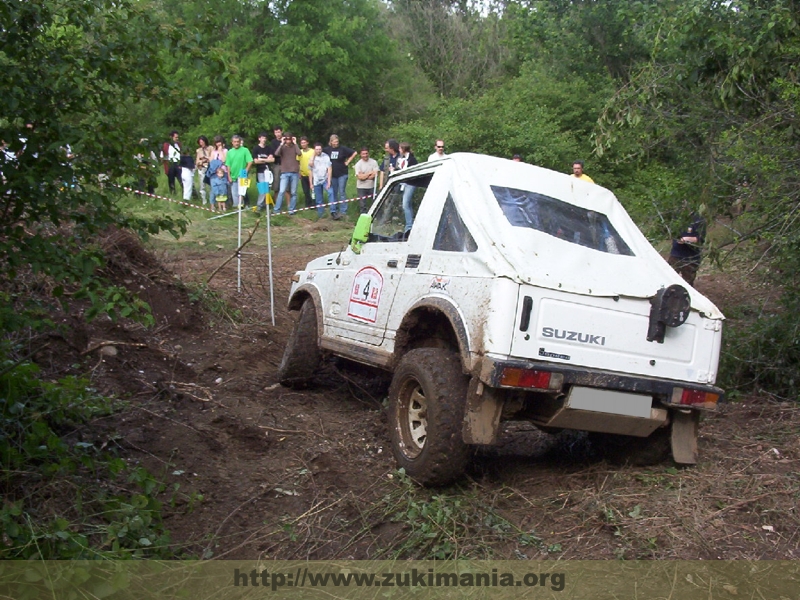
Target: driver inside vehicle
{"points": [[389, 219]]}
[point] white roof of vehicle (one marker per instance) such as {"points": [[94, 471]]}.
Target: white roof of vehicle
{"points": [[537, 258]]}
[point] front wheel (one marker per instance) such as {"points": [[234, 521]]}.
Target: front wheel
{"points": [[426, 413], [302, 357]]}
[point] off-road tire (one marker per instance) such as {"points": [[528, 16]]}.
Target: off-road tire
{"points": [[302, 356], [635, 451], [426, 413]]}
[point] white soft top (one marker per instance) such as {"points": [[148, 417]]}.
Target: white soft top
{"points": [[538, 258]]}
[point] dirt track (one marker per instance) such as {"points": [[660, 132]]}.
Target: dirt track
{"points": [[309, 474]]}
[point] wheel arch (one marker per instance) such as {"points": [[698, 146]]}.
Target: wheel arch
{"points": [[433, 322], [306, 292]]}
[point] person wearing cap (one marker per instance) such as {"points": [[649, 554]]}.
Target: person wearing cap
{"points": [[517, 158], [687, 249]]}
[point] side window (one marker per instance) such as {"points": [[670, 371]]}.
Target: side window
{"points": [[452, 235], [394, 218]]}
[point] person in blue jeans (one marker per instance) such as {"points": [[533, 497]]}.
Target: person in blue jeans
{"points": [[320, 166], [340, 161], [407, 159], [289, 153]]}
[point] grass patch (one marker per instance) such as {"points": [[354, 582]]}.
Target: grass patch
{"points": [[64, 497], [441, 525], [213, 302], [205, 232]]}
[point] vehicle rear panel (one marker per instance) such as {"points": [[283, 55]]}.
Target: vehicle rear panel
{"points": [[611, 334]]}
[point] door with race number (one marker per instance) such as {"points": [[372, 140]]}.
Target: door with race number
{"points": [[366, 282]]}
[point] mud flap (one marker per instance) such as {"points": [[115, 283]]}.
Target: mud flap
{"points": [[684, 436], [482, 417]]}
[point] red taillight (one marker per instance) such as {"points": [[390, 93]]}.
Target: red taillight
{"points": [[530, 378], [698, 398]]}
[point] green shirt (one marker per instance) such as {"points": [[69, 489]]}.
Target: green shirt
{"points": [[236, 160]]}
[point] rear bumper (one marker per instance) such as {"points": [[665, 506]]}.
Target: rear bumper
{"points": [[662, 389]]}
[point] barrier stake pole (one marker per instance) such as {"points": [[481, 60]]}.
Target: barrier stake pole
{"points": [[269, 261], [239, 253]]}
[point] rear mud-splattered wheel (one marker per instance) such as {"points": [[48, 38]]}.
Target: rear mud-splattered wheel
{"points": [[426, 413], [301, 358]]}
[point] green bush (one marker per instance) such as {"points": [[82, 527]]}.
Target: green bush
{"points": [[763, 356], [65, 499]]}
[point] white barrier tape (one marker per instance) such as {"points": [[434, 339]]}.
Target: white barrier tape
{"points": [[322, 206], [296, 210], [189, 204], [278, 214]]}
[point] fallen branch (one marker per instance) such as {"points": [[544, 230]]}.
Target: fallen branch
{"points": [[235, 252], [99, 345], [185, 387], [155, 414], [747, 501], [300, 431]]}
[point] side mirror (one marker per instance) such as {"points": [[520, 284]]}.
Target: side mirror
{"points": [[360, 233]]}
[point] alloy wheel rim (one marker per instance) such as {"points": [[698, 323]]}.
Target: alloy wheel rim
{"points": [[413, 419]]}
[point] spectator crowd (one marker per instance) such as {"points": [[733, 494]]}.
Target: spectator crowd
{"points": [[282, 165]]}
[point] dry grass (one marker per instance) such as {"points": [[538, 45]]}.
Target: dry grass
{"points": [[740, 502], [559, 503]]}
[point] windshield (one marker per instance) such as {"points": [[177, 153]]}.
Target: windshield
{"points": [[560, 219]]}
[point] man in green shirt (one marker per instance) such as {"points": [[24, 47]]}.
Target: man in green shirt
{"points": [[238, 159]]}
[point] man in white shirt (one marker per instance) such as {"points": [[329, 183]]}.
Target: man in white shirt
{"points": [[321, 172], [171, 156], [7, 159], [366, 171], [439, 153]]}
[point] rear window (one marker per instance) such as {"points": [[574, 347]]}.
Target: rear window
{"points": [[560, 219]]}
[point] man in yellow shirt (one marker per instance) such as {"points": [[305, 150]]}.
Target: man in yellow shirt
{"points": [[305, 172], [577, 171]]}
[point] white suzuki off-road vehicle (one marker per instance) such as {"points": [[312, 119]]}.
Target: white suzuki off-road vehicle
{"points": [[493, 290]]}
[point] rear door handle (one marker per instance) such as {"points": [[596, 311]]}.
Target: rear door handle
{"points": [[525, 319], [392, 263]]}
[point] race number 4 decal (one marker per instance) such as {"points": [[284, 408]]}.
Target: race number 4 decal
{"points": [[365, 295]]}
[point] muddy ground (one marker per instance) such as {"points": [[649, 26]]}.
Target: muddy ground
{"points": [[269, 472]]}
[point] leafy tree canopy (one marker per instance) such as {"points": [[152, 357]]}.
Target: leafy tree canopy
{"points": [[316, 67], [67, 70]]}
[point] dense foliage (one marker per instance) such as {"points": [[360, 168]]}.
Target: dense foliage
{"points": [[718, 102], [69, 69]]}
